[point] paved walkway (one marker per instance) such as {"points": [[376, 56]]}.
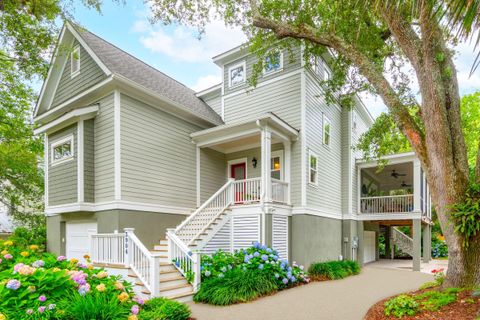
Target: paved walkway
{"points": [[347, 299]]}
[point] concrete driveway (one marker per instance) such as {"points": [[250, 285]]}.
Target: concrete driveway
{"points": [[347, 299]]}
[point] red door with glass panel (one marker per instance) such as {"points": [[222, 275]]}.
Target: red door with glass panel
{"points": [[239, 172]]}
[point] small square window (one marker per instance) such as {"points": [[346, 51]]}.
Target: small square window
{"points": [[327, 128], [62, 150], [237, 74], [313, 168], [273, 62], [354, 121], [75, 61]]}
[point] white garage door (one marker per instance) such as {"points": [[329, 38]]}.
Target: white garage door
{"points": [[78, 243], [369, 253]]}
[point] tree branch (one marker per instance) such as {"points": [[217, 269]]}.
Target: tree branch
{"points": [[367, 68]]}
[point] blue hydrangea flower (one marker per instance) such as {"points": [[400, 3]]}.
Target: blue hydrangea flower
{"points": [[293, 279], [207, 273], [264, 257], [256, 245], [277, 275], [269, 250], [260, 266], [256, 254], [221, 275], [246, 259], [285, 280], [224, 269], [275, 257], [13, 284]]}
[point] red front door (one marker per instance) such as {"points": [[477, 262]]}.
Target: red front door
{"points": [[238, 172]]}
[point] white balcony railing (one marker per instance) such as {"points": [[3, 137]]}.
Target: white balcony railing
{"points": [[387, 204], [108, 248], [279, 191], [247, 190]]}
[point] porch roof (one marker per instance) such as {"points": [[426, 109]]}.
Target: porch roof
{"points": [[241, 129], [392, 159]]}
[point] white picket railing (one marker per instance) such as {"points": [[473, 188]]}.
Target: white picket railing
{"points": [[247, 190], [108, 248], [198, 221], [279, 191], [387, 204], [186, 261]]}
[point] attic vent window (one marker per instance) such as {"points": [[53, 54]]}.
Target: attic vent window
{"points": [[236, 74], [75, 61]]}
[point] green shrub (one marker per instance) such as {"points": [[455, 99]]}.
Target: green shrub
{"points": [[402, 305], [164, 309], [434, 300], [234, 287], [97, 306], [333, 270]]}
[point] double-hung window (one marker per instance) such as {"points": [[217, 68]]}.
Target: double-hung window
{"points": [[276, 165], [75, 61], [313, 168], [62, 150], [327, 131]]}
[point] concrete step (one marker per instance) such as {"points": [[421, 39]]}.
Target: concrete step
{"points": [[167, 267], [171, 275], [173, 290], [165, 284], [182, 297]]}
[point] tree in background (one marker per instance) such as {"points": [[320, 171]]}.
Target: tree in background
{"points": [[377, 46]]}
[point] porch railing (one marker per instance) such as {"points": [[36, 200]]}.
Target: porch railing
{"points": [[108, 248], [247, 190], [387, 204], [279, 191]]}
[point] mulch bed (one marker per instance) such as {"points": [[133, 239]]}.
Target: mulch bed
{"points": [[459, 310]]}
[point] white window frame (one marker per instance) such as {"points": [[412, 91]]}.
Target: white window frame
{"points": [[280, 68], [55, 144], [241, 64], [75, 57], [326, 120], [278, 154], [354, 121], [310, 182]]}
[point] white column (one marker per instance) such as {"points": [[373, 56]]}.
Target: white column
{"points": [[198, 177], [80, 162], [47, 162], [416, 186], [128, 257], [116, 146], [266, 137], [287, 146]]}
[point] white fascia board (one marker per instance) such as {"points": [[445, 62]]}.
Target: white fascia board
{"points": [[72, 116], [392, 159], [207, 91]]}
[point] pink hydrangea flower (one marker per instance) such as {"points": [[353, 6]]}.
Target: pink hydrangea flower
{"points": [[42, 309], [61, 258], [8, 256], [42, 298], [29, 311], [17, 267], [135, 309]]}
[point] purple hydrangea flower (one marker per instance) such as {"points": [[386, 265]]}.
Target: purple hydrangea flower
{"points": [[293, 279], [13, 284], [42, 298], [83, 289], [61, 258], [38, 264], [264, 257], [135, 310], [285, 280]]}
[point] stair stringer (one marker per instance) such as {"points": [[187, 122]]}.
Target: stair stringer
{"points": [[223, 226]]}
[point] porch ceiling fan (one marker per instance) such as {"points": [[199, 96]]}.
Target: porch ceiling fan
{"points": [[404, 185], [395, 174]]}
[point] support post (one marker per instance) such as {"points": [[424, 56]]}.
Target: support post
{"points": [[427, 243], [417, 243], [197, 258], [266, 164], [127, 246], [287, 168], [417, 192], [155, 276], [198, 176]]}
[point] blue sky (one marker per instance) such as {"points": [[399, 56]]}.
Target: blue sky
{"points": [[176, 50]]}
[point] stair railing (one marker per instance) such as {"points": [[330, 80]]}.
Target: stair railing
{"points": [[404, 242]]}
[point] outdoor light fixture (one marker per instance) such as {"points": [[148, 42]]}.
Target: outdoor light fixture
{"points": [[254, 162]]}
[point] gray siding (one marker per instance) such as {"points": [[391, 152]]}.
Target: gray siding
{"points": [[250, 154], [104, 153], [214, 100], [90, 74], [213, 172], [291, 61], [157, 157], [62, 177], [327, 195], [89, 161], [362, 126]]}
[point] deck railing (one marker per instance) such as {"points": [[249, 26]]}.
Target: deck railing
{"points": [[108, 248], [279, 191], [247, 190], [387, 204]]}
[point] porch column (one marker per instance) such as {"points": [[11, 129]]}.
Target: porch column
{"points": [[417, 243], [198, 176], [287, 169], [417, 175], [266, 143], [427, 243]]}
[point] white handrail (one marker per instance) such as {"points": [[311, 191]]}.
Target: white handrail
{"points": [[186, 261], [387, 204], [247, 190], [107, 248], [279, 190]]}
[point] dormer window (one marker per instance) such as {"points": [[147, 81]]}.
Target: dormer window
{"points": [[236, 74], [273, 62], [75, 61]]}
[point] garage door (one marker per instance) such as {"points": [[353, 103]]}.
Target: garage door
{"points": [[78, 243], [369, 253]]}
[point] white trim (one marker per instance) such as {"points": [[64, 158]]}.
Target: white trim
{"points": [[80, 162], [264, 83], [114, 205], [56, 143], [223, 94], [117, 145], [46, 164], [73, 99], [280, 154], [324, 121], [237, 161], [303, 133], [240, 64], [388, 216], [316, 212], [198, 175], [392, 159], [280, 68], [312, 154], [207, 91], [68, 118], [76, 51]]}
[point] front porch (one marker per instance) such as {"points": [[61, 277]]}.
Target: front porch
{"points": [[397, 190]]}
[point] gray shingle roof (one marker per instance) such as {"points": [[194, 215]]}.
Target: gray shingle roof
{"points": [[121, 63]]}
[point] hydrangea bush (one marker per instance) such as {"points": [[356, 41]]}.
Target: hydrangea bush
{"points": [[258, 258]]}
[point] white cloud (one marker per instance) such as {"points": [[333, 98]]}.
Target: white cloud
{"points": [[206, 82], [182, 44]]}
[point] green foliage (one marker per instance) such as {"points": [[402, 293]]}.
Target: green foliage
{"points": [[402, 305], [235, 286], [333, 270], [23, 237], [97, 306], [258, 258], [434, 300], [466, 215], [164, 309]]}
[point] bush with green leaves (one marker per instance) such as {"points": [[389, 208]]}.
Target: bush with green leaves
{"points": [[98, 306], [236, 286], [333, 270], [258, 258], [402, 305], [164, 309]]}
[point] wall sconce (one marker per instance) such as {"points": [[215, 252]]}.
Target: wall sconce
{"points": [[254, 162]]}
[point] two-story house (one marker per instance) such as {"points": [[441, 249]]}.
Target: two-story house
{"points": [[128, 147]]}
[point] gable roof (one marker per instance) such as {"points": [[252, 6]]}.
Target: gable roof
{"points": [[121, 63]]}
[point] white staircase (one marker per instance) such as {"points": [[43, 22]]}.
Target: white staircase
{"points": [[403, 242]]}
